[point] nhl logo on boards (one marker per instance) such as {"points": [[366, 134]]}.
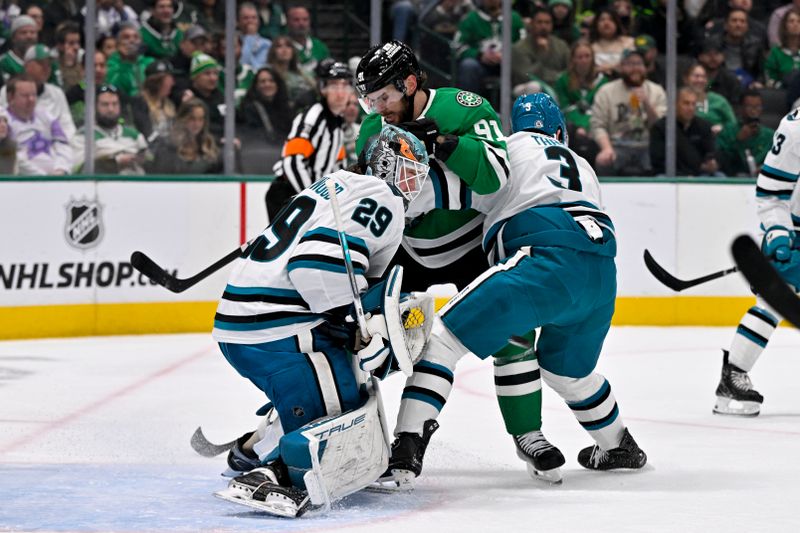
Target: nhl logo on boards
{"points": [[468, 99], [84, 227]]}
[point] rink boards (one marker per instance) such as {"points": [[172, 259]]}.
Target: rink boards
{"points": [[65, 249]]}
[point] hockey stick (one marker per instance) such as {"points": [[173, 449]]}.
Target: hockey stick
{"points": [[680, 284], [149, 268], [765, 280], [348, 262], [206, 448]]}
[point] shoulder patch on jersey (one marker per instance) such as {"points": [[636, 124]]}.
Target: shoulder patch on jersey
{"points": [[468, 99]]}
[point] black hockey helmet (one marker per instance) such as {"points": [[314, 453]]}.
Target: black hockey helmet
{"points": [[330, 69], [389, 63]]}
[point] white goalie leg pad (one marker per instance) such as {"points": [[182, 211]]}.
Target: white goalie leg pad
{"points": [[342, 454]]}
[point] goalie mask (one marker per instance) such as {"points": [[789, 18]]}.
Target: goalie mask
{"points": [[399, 158]]}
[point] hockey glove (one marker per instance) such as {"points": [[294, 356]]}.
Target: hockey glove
{"points": [[790, 270], [777, 243], [374, 354], [424, 129]]}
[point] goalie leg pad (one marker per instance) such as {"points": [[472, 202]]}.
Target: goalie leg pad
{"points": [[338, 455]]}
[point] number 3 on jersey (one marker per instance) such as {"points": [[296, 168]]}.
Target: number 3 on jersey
{"points": [[569, 168], [372, 216]]}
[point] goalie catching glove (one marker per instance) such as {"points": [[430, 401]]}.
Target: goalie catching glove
{"points": [[397, 324]]}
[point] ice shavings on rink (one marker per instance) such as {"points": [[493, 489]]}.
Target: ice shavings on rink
{"points": [[94, 436]]}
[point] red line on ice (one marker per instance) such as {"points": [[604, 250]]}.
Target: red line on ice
{"points": [[102, 402]]}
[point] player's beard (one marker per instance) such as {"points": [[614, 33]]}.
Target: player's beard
{"points": [[405, 114]]}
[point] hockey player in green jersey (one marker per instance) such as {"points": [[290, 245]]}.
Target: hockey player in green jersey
{"points": [[464, 139], [463, 136]]}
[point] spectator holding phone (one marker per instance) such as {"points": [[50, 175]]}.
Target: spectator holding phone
{"points": [[745, 144]]}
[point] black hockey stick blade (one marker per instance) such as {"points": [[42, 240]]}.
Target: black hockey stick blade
{"points": [[676, 284], [149, 268], [765, 280], [206, 448]]}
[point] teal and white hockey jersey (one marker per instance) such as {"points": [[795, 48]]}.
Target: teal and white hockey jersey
{"points": [[543, 172], [294, 271], [777, 196]]}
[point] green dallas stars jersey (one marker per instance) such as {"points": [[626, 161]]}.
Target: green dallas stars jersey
{"points": [[448, 232]]}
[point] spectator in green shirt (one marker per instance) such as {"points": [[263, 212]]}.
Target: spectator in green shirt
{"points": [[126, 66], [159, 33], [478, 44], [575, 89], [310, 50], [711, 106], [24, 34], [747, 135], [784, 59]]}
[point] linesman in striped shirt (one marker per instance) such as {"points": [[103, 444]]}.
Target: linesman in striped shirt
{"points": [[315, 145]]}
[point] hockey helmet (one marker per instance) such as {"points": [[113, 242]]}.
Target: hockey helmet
{"points": [[387, 64], [399, 158], [538, 112], [330, 69]]}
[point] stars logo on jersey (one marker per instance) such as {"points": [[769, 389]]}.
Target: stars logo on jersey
{"points": [[84, 228], [468, 99]]}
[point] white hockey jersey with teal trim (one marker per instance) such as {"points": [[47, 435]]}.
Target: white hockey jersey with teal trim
{"points": [[543, 172], [777, 196], [294, 271]]}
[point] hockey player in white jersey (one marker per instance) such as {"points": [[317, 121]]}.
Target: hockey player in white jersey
{"points": [[553, 249], [279, 321], [778, 204]]}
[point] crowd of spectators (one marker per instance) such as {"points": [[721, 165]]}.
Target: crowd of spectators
{"points": [[160, 78], [159, 81], [604, 61]]}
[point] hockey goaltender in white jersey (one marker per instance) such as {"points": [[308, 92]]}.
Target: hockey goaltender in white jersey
{"points": [[281, 323]]}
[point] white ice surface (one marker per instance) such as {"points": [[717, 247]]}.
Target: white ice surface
{"points": [[94, 436]]}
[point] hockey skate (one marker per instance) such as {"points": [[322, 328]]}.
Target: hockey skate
{"points": [[543, 460], [267, 489], [626, 455], [735, 394], [405, 464], [241, 460]]}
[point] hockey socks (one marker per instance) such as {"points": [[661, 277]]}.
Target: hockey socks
{"points": [[593, 404], [428, 388], [519, 388], [752, 336], [599, 415]]}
